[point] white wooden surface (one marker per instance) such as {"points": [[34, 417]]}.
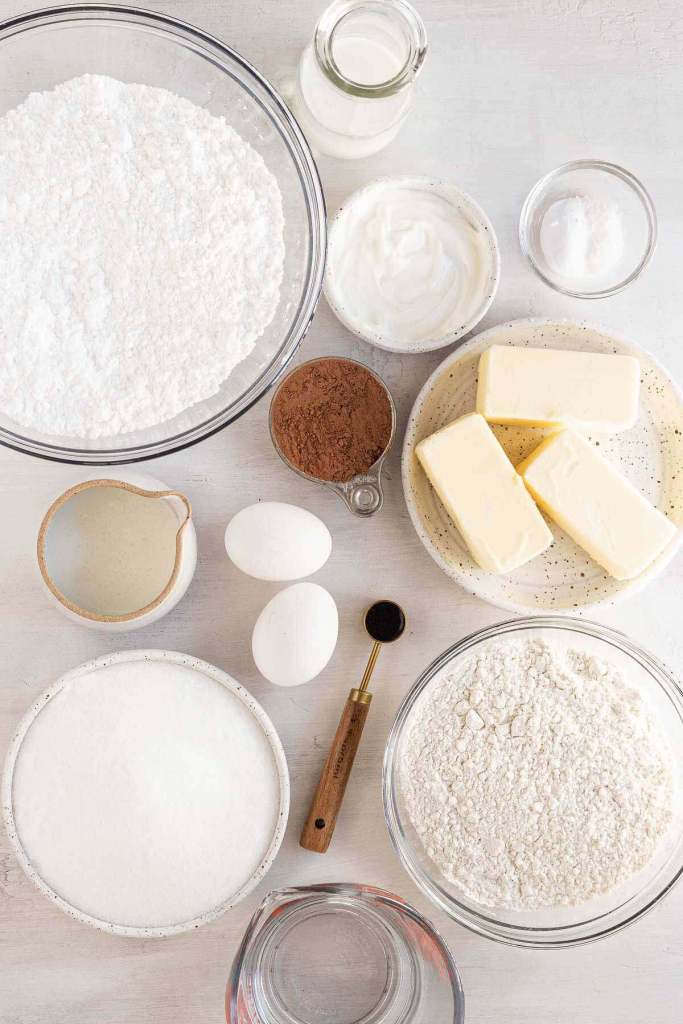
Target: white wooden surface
{"points": [[510, 89]]}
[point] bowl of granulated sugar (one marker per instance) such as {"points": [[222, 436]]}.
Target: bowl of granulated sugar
{"points": [[533, 782], [145, 793], [159, 281]]}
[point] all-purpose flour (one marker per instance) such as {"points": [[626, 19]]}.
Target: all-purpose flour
{"points": [[145, 794], [141, 246], [536, 778]]}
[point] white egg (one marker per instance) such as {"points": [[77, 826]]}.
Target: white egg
{"points": [[295, 634], [275, 541]]}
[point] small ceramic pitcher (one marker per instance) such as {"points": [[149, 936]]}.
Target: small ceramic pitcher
{"points": [[56, 545]]}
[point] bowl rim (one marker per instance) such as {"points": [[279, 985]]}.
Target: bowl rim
{"points": [[210, 47], [559, 937], [447, 189], [616, 171], [196, 665]]}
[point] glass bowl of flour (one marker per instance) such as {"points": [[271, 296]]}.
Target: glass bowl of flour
{"points": [[163, 235], [533, 782]]}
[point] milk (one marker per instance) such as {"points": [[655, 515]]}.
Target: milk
{"points": [[117, 553], [355, 80], [116, 550]]}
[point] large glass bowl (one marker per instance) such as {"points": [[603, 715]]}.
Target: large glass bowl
{"points": [[565, 926], [42, 49]]}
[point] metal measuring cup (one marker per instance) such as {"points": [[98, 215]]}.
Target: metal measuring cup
{"points": [[362, 494]]}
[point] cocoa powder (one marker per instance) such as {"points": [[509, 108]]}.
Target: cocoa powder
{"points": [[332, 419]]}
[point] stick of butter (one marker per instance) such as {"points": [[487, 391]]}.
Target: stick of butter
{"points": [[592, 502], [541, 387], [484, 495]]}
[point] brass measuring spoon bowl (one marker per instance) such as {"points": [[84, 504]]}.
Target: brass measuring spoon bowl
{"points": [[384, 622]]}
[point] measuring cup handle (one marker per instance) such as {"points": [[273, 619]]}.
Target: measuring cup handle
{"points": [[363, 495]]}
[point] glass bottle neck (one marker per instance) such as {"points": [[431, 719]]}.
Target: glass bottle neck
{"points": [[370, 48]]}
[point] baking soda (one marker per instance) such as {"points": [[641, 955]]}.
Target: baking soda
{"points": [[582, 237]]}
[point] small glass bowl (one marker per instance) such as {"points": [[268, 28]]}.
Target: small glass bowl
{"points": [[592, 179], [559, 927]]}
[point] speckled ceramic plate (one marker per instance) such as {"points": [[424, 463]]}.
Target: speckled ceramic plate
{"points": [[203, 668], [563, 578]]}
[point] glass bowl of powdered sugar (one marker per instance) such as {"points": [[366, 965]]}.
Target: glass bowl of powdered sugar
{"points": [[163, 234], [533, 782]]}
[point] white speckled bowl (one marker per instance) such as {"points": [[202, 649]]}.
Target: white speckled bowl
{"points": [[218, 676], [464, 207], [564, 578]]}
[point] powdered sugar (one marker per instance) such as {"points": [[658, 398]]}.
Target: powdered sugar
{"points": [[141, 245], [535, 777]]}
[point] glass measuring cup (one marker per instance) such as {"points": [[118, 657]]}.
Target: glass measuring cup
{"points": [[342, 954], [362, 494]]}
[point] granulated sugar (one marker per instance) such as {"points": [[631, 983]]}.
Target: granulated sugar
{"points": [[145, 794], [536, 778], [141, 245]]}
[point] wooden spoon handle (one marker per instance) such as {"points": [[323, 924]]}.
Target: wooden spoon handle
{"points": [[322, 817]]}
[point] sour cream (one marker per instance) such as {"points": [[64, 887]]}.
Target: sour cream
{"points": [[412, 265]]}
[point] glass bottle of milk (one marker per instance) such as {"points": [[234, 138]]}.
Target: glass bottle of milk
{"points": [[356, 77]]}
